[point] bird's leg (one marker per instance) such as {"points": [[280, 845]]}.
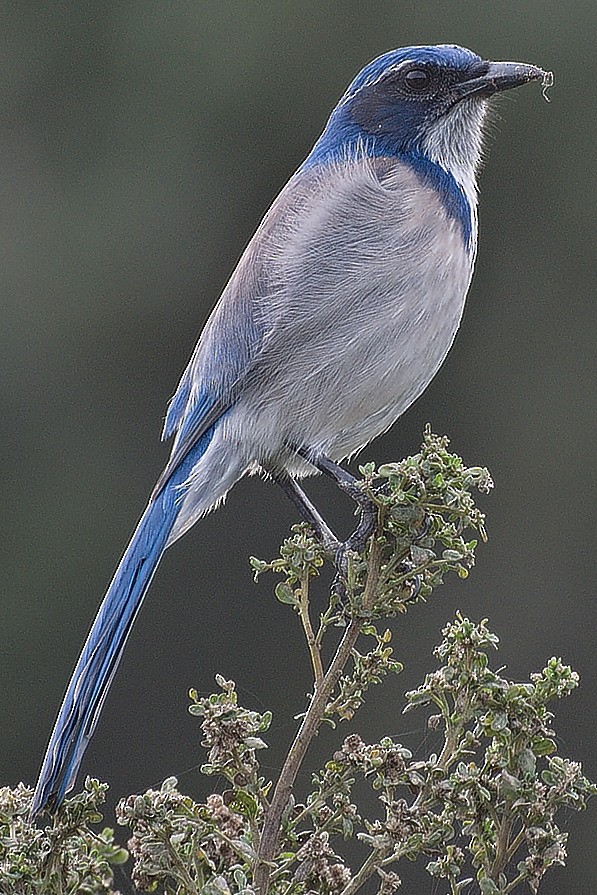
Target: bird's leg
{"points": [[307, 510], [349, 484], [368, 517]]}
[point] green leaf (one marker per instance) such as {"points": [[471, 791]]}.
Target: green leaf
{"points": [[543, 746], [527, 762], [246, 803], [499, 721], [255, 743], [258, 564], [285, 594], [511, 785]]}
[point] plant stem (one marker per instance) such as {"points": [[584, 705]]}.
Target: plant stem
{"points": [[181, 871], [387, 854], [310, 724], [303, 610], [516, 843], [516, 882], [501, 852], [314, 805], [366, 870]]}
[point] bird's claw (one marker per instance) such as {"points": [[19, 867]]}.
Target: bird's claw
{"points": [[353, 544], [424, 527], [339, 593], [366, 525], [413, 583]]}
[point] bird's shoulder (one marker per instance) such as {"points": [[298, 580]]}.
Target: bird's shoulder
{"points": [[344, 198]]}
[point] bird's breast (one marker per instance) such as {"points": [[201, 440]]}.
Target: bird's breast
{"points": [[366, 281]]}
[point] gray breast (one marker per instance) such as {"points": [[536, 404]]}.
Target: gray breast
{"points": [[367, 277]]}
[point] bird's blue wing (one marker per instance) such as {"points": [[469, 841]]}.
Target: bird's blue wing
{"points": [[234, 334], [178, 404], [226, 350]]}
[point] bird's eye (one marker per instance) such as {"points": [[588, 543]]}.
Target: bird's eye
{"points": [[417, 79]]}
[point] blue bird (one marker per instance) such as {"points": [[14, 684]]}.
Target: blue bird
{"points": [[338, 315]]}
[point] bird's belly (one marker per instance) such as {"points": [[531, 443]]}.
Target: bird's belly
{"points": [[379, 378], [344, 383]]}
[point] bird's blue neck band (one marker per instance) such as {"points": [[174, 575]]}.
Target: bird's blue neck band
{"points": [[449, 190], [432, 175]]}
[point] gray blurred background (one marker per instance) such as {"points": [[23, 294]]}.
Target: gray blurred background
{"points": [[140, 144]]}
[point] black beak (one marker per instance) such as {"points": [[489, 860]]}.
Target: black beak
{"points": [[492, 77]]}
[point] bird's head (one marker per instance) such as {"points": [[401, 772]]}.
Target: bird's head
{"points": [[425, 101]]}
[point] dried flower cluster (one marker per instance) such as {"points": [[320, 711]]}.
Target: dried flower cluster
{"points": [[67, 857]]}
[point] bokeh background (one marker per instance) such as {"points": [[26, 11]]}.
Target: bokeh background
{"points": [[140, 144]]}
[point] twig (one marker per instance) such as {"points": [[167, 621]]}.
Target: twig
{"points": [[308, 729], [366, 870], [386, 854], [303, 610], [501, 852]]}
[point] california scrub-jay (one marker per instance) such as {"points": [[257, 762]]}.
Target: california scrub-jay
{"points": [[339, 313]]}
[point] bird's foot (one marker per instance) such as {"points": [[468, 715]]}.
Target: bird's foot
{"points": [[367, 518], [424, 528], [412, 584], [355, 543]]}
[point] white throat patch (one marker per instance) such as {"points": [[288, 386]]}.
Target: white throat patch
{"points": [[455, 143]]}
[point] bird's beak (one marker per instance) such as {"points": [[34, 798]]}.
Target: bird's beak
{"points": [[493, 77]]}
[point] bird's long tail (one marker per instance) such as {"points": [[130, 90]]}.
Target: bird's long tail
{"points": [[104, 646]]}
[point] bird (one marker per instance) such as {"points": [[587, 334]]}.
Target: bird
{"points": [[339, 313]]}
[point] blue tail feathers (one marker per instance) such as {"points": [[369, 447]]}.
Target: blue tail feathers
{"points": [[105, 644]]}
